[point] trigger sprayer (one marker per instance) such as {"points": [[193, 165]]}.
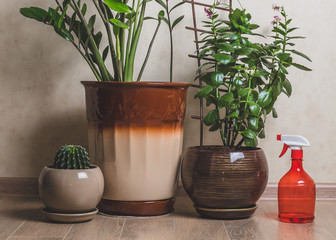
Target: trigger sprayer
{"points": [[296, 189]]}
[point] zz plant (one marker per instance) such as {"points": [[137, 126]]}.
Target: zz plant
{"points": [[243, 79], [123, 21]]}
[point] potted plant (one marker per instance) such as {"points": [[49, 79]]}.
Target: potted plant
{"points": [[242, 81], [135, 128], [71, 188]]}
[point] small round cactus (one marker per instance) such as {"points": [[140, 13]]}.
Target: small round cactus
{"points": [[72, 157]]}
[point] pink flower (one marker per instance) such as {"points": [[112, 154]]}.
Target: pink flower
{"points": [[276, 20], [218, 2], [208, 12], [275, 7]]}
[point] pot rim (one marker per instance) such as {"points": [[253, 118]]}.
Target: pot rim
{"points": [[92, 168], [221, 148], [136, 84]]}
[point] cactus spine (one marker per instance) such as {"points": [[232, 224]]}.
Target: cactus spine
{"points": [[72, 157]]}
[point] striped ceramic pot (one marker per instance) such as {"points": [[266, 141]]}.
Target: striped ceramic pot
{"points": [[224, 183], [135, 137]]}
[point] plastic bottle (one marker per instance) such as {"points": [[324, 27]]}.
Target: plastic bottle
{"points": [[296, 189]]}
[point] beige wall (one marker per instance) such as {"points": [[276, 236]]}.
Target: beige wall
{"points": [[42, 100]]}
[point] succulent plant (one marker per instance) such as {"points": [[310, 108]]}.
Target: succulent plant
{"points": [[72, 157]]}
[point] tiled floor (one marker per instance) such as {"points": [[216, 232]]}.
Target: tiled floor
{"points": [[21, 219]]}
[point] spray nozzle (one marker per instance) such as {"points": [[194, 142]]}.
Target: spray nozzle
{"points": [[295, 143]]}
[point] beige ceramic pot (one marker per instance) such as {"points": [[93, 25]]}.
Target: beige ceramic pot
{"points": [[71, 190], [135, 137]]}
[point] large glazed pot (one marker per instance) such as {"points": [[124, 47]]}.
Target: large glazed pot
{"points": [[224, 183], [135, 136], [71, 190]]}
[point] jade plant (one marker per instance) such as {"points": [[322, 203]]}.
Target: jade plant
{"points": [[123, 21], [72, 157], [242, 78]]}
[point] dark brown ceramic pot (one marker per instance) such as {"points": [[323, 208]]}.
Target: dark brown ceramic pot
{"points": [[224, 183], [135, 137]]}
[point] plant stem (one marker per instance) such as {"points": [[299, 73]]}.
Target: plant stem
{"points": [[130, 64], [104, 17], [94, 48], [149, 50], [171, 44]]}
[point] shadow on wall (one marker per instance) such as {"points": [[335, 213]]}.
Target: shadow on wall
{"points": [[41, 99], [51, 133]]}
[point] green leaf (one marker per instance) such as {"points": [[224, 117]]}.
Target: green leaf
{"points": [[243, 92], [262, 134], [222, 58], [253, 26], [36, 13], [105, 52], [274, 113], [215, 126], [177, 20], [248, 133], [233, 114], [84, 8], [177, 5], [250, 142], [211, 117], [300, 54], [244, 51], [225, 99], [204, 92], [217, 78], [117, 6], [261, 73], [253, 123], [288, 87], [283, 69], [91, 22], [299, 66], [162, 4], [237, 82], [98, 37], [60, 21], [254, 108], [226, 47], [264, 98], [118, 23], [283, 56]]}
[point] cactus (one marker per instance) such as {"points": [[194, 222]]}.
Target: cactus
{"points": [[72, 157]]}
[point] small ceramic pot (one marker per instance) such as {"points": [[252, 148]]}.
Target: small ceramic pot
{"points": [[224, 183], [71, 190]]}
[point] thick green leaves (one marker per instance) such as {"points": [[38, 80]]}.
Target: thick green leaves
{"points": [[222, 58], [254, 108], [225, 99], [265, 98], [36, 13], [204, 91], [211, 117], [117, 6], [250, 138], [217, 78], [288, 87], [253, 123], [226, 47]]}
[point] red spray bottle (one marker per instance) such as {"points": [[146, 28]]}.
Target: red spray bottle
{"points": [[296, 189]]}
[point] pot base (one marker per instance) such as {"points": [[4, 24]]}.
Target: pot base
{"points": [[136, 208], [236, 213], [69, 217]]}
